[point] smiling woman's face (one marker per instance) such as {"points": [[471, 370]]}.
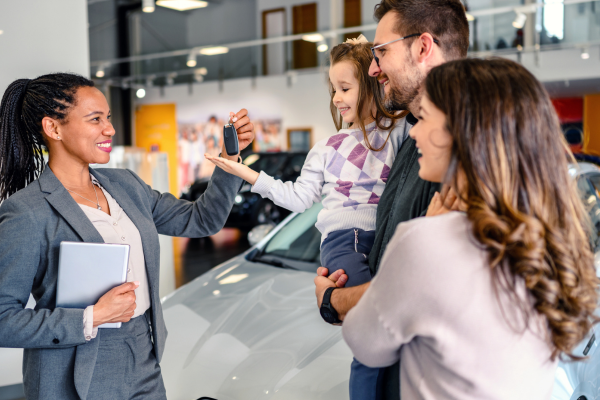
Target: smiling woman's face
{"points": [[433, 141], [87, 133]]}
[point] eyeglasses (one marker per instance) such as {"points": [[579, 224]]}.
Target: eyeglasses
{"points": [[402, 38]]}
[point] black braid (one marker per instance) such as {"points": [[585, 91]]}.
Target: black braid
{"points": [[24, 104]]}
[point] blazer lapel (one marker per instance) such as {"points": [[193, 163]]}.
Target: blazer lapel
{"points": [[69, 210]]}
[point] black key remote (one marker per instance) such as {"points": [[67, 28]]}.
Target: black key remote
{"points": [[231, 140]]}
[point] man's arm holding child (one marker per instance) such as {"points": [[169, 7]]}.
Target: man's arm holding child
{"points": [[342, 299]]}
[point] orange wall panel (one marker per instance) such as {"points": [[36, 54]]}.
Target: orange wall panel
{"points": [[591, 124], [156, 130]]}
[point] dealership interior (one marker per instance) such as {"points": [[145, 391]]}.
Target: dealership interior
{"points": [[239, 303]]}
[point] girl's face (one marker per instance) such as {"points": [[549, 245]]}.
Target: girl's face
{"points": [[434, 142], [346, 88]]}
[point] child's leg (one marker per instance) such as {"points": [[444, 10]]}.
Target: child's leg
{"points": [[348, 250]]}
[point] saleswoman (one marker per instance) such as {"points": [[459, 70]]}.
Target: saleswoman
{"points": [[66, 356]]}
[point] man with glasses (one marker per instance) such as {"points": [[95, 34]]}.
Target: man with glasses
{"points": [[412, 37]]}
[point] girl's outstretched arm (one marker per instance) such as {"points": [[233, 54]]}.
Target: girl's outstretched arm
{"points": [[234, 168]]}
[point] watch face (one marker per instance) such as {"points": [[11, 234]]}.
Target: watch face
{"points": [[327, 315]]}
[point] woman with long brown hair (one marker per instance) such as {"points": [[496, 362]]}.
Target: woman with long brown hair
{"points": [[486, 300]]}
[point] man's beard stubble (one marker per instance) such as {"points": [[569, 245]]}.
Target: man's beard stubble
{"points": [[404, 88]]}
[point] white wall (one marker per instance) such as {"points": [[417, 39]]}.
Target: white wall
{"points": [[303, 104], [42, 36]]}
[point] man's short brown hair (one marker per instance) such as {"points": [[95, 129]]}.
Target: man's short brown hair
{"points": [[445, 20]]}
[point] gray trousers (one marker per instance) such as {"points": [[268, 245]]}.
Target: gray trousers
{"points": [[126, 368]]}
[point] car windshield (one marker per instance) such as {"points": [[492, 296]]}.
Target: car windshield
{"points": [[298, 243]]}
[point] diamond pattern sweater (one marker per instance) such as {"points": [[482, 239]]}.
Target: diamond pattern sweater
{"points": [[344, 174]]}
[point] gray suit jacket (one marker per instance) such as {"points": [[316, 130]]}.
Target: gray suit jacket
{"points": [[36, 219]]}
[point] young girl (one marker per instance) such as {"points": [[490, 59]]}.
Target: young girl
{"points": [[347, 172]]}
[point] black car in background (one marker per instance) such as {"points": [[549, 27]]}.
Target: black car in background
{"points": [[250, 209]]}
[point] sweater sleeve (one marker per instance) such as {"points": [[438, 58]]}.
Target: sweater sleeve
{"points": [[397, 305], [302, 194]]}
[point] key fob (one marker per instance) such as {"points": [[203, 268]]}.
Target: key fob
{"points": [[231, 140]]}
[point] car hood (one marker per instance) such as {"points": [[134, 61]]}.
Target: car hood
{"points": [[246, 330]]}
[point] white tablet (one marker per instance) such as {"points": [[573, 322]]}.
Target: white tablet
{"points": [[86, 271]]}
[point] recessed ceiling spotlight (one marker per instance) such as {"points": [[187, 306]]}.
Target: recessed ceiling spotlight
{"points": [[519, 21], [148, 6], [470, 18], [100, 72], [191, 61], [322, 47], [141, 93], [585, 53], [211, 51], [313, 37], [182, 5]]}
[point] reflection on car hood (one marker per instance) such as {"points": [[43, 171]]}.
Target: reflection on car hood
{"points": [[245, 330]]}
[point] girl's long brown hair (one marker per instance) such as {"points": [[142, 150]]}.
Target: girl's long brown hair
{"points": [[369, 90], [523, 205]]}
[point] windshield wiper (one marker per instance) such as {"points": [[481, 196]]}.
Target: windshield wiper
{"points": [[274, 262]]}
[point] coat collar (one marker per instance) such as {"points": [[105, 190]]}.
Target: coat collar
{"points": [[63, 203]]}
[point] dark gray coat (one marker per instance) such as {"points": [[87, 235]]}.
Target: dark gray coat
{"points": [[36, 219]]}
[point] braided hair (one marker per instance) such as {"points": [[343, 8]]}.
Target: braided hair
{"points": [[24, 104]]}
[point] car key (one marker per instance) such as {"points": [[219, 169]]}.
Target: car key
{"points": [[231, 139]]}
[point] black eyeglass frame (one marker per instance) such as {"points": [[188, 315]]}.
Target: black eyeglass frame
{"points": [[396, 40]]}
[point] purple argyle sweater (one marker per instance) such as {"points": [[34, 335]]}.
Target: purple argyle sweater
{"points": [[344, 174]]}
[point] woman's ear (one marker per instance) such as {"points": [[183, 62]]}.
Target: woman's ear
{"points": [[50, 128]]}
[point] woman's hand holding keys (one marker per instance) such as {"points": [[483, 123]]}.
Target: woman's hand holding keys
{"points": [[117, 305]]}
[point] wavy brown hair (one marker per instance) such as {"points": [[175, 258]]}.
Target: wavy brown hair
{"points": [[523, 205], [369, 89]]}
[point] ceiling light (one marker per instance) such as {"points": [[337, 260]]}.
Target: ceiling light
{"points": [[211, 51], [1, 31], [141, 93], [519, 21], [202, 71], [148, 6], [470, 18], [313, 37], [191, 61], [585, 53], [100, 72], [182, 5], [322, 47]]}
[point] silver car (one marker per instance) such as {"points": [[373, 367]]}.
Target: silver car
{"points": [[250, 328]]}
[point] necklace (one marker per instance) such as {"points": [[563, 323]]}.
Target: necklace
{"points": [[91, 201]]}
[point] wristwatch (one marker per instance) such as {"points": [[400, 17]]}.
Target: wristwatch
{"points": [[328, 313]]}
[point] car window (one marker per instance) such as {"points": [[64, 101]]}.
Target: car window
{"points": [[589, 196], [298, 240]]}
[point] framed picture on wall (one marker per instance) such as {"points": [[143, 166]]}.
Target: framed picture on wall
{"points": [[299, 139]]}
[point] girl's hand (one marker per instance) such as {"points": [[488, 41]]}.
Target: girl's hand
{"points": [[234, 168]]}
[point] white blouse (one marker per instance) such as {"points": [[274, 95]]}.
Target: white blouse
{"points": [[118, 228]]}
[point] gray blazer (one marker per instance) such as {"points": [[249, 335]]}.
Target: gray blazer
{"points": [[36, 219]]}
